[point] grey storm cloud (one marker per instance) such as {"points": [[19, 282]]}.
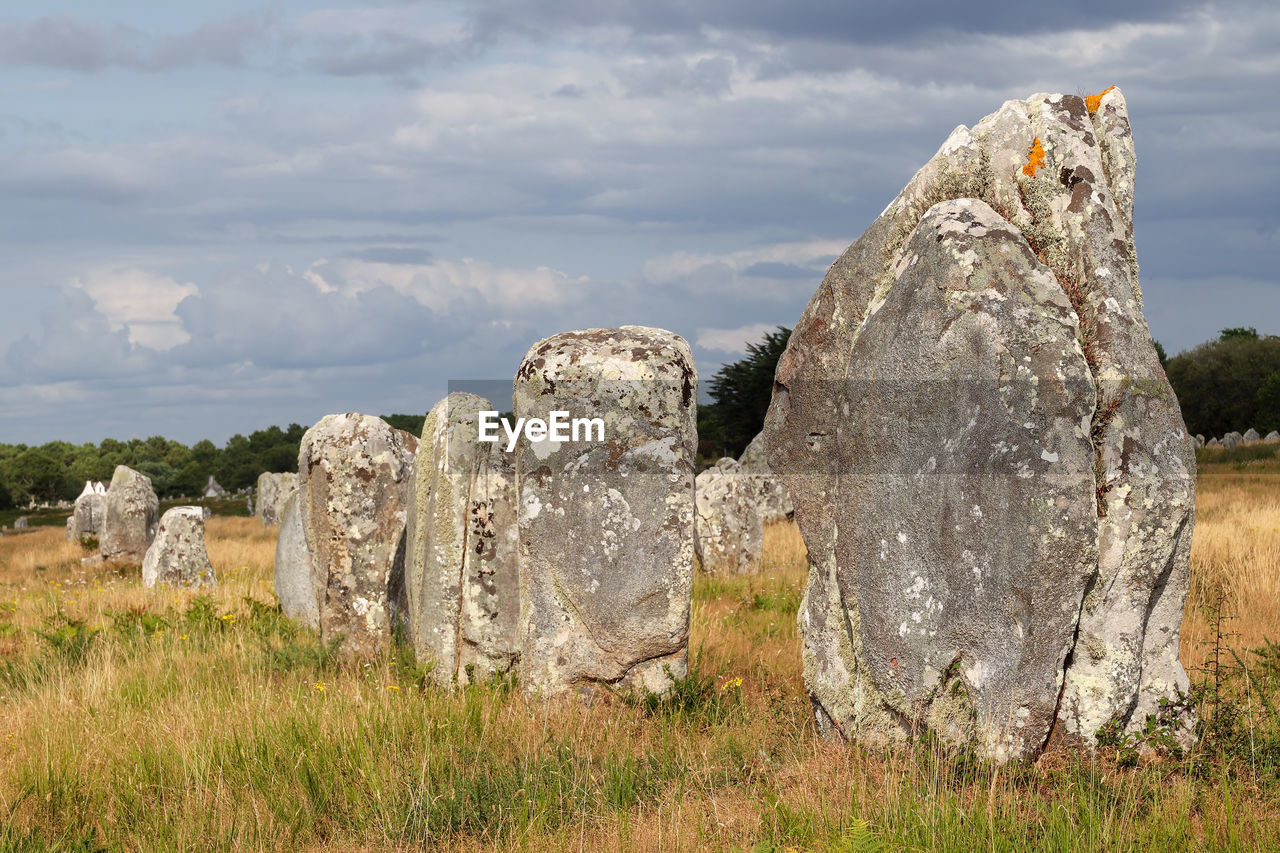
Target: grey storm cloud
{"points": [[278, 320], [73, 342], [68, 42], [861, 22], [647, 154], [391, 255]]}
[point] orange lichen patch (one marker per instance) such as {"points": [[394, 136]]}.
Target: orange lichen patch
{"points": [[1095, 101], [1035, 159]]}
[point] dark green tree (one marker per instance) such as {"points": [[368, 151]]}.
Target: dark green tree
{"points": [[1269, 404], [742, 391], [36, 474], [1220, 383], [1160, 354]]}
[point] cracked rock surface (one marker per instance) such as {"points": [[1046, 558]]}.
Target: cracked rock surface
{"points": [[606, 529], [354, 472], [462, 580], [730, 533], [989, 467], [772, 498], [274, 491], [130, 518]]}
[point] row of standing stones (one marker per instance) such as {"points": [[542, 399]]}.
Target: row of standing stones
{"points": [[1233, 440], [987, 464], [125, 519], [568, 562]]}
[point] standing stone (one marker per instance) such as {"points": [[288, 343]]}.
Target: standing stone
{"points": [[940, 412], [729, 532], [89, 514], [1199, 440], [132, 513], [1272, 437], [213, 490], [772, 497], [354, 472], [607, 527], [1231, 440], [20, 523], [293, 566], [1250, 436], [177, 557], [1213, 442], [71, 521], [274, 490], [462, 578]]}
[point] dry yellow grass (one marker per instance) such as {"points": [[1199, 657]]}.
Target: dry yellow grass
{"points": [[193, 734], [1236, 550]]}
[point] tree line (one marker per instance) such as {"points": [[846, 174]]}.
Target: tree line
{"points": [[1229, 383], [58, 470]]}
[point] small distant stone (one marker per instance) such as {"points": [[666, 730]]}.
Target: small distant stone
{"points": [[274, 491], [177, 557], [729, 536]]}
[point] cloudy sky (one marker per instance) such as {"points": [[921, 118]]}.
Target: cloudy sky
{"points": [[216, 221]]}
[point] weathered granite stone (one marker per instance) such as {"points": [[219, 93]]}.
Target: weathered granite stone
{"points": [[354, 472], [71, 521], [89, 514], [462, 574], [20, 523], [1250, 436], [729, 534], [293, 566], [1213, 442], [607, 527], [772, 497], [1272, 437], [213, 490], [1231, 440], [868, 430], [132, 513], [177, 557], [274, 490], [1199, 440]]}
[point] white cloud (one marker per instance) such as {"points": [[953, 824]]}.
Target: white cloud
{"points": [[808, 253], [732, 341], [445, 286], [139, 301]]}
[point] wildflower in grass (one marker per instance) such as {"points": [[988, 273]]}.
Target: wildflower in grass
{"points": [[319, 685], [392, 687], [228, 617], [731, 684], [183, 637]]}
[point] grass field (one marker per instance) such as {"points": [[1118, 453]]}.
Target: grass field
{"points": [[146, 720]]}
